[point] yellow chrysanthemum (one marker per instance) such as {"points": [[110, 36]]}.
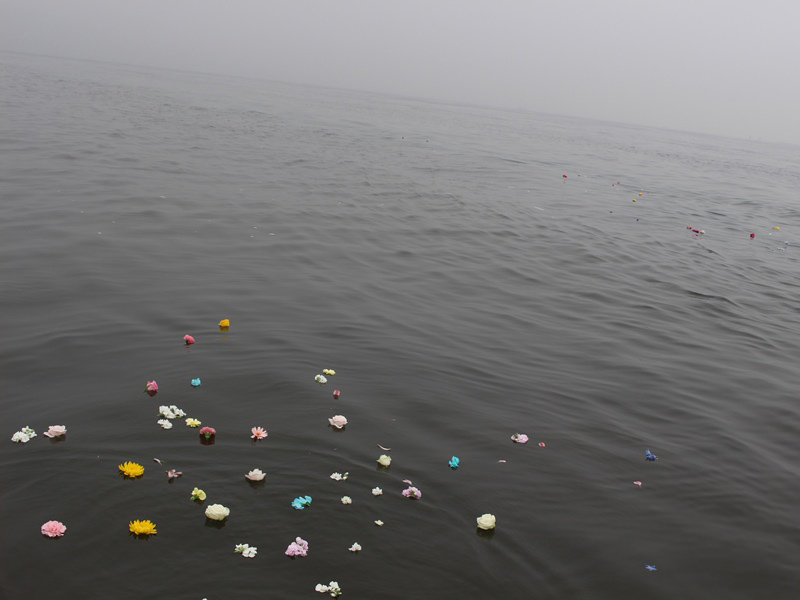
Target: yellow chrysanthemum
{"points": [[225, 323], [146, 527], [130, 469]]}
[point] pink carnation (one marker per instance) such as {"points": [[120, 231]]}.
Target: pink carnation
{"points": [[53, 529], [412, 492], [299, 547], [56, 431], [207, 431], [338, 421], [188, 339], [259, 433]]}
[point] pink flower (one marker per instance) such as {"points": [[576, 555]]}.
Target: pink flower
{"points": [[259, 433], [519, 438], [639, 483], [151, 388], [173, 474], [412, 492], [188, 339], [53, 529], [56, 431], [338, 421], [299, 547], [207, 432]]}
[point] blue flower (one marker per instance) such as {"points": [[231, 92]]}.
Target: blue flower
{"points": [[453, 462], [649, 455], [650, 567], [301, 502], [196, 382]]}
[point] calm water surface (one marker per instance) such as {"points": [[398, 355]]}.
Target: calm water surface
{"points": [[462, 289]]}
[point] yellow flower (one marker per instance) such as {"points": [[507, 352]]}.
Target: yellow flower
{"points": [[192, 422], [142, 527], [225, 323], [328, 372], [130, 469], [198, 494]]}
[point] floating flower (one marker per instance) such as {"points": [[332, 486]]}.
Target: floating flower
{"points": [[301, 502], [151, 388], [246, 550], [170, 412], [56, 431], [217, 512], [192, 422], [542, 445], [258, 433], [412, 492], [198, 494], [650, 567], [519, 438], [53, 529], [338, 421], [384, 460], [377, 491], [486, 521], [339, 476], [299, 547], [332, 588], [173, 474], [328, 372], [225, 323], [166, 424], [28, 431], [256, 475], [347, 500], [21, 437], [320, 379], [188, 339], [208, 432], [637, 483], [453, 462], [356, 547], [649, 455], [131, 469], [196, 382], [379, 523], [336, 393], [142, 527]]}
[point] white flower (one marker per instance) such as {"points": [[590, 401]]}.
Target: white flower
{"points": [[356, 547], [321, 588], [217, 512], [29, 432], [241, 548], [339, 476], [21, 437], [347, 500], [166, 412], [377, 491], [179, 414], [486, 521], [321, 379], [384, 460], [379, 523], [165, 423], [256, 475], [250, 552]]}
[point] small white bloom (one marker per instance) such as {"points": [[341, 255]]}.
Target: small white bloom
{"points": [[241, 548], [384, 460], [250, 552], [179, 414], [256, 475], [29, 432], [321, 379], [336, 476], [20, 437], [347, 500], [379, 523], [166, 412], [321, 588], [377, 491], [356, 547], [165, 423]]}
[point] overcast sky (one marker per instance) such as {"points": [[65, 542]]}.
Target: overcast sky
{"points": [[730, 67]]}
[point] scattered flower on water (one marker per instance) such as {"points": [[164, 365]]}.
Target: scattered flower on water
{"points": [[225, 323], [131, 469], [542, 445], [519, 438], [151, 388], [356, 547], [21, 437], [650, 567], [339, 476], [384, 460], [338, 421], [347, 500], [208, 432], [320, 379], [246, 550], [379, 523], [198, 494], [196, 382], [453, 462], [56, 431], [299, 547], [412, 492], [170, 412], [301, 502], [486, 521], [53, 529], [332, 588], [649, 455], [258, 433], [638, 483], [256, 475], [28, 431], [217, 512], [188, 339], [328, 372], [142, 527], [377, 491], [173, 474], [336, 393], [192, 422], [165, 423]]}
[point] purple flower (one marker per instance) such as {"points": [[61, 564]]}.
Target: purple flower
{"points": [[299, 547]]}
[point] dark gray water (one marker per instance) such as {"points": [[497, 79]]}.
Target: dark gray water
{"points": [[462, 289]]}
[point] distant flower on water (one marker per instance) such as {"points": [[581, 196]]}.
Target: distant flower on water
{"points": [[377, 491], [142, 527], [379, 523], [56, 431], [356, 547], [519, 438], [453, 462], [338, 421], [299, 547], [332, 588], [224, 323], [173, 474], [301, 502], [328, 372], [217, 512], [21, 437], [487, 521], [170, 412], [258, 433], [320, 379], [198, 494], [53, 529], [347, 500], [649, 455], [256, 475], [131, 469], [166, 424], [151, 388], [650, 567], [196, 382], [412, 492], [384, 460], [339, 476], [192, 422], [246, 550]]}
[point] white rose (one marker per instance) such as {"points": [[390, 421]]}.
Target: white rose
{"points": [[217, 512], [486, 521], [256, 475], [384, 460]]}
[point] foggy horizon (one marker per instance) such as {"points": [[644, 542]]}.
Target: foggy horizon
{"points": [[713, 68]]}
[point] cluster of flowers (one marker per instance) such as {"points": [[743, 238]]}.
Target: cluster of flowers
{"points": [[246, 550], [170, 412], [332, 588], [24, 435], [299, 547]]}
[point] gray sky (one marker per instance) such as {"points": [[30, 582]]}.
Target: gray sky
{"points": [[730, 67]]}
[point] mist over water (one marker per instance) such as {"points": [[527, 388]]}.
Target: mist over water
{"points": [[462, 289]]}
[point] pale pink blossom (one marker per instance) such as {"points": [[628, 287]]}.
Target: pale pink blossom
{"points": [[412, 492], [256, 475], [53, 529], [639, 483], [55, 431], [519, 438], [151, 386], [299, 547], [259, 433], [338, 421]]}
